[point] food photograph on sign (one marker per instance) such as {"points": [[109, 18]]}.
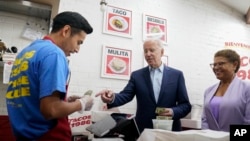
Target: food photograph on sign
{"points": [[117, 65], [118, 23]]}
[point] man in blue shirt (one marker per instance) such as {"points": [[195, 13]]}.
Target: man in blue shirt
{"points": [[38, 82]]}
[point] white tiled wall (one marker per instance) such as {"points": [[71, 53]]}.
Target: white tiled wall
{"points": [[196, 30], [12, 27], [3, 88]]}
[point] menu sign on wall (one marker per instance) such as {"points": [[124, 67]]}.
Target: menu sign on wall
{"points": [[117, 21], [154, 27], [243, 50], [116, 63]]}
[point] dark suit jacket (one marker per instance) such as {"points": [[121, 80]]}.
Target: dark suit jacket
{"points": [[173, 94]]}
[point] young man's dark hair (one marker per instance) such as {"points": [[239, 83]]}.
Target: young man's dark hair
{"points": [[73, 19]]}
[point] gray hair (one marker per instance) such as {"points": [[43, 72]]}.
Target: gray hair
{"points": [[156, 41]]}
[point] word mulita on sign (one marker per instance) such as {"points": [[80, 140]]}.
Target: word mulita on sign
{"points": [[239, 132], [117, 52]]}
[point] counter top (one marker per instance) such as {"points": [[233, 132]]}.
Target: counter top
{"points": [[191, 123], [188, 135]]}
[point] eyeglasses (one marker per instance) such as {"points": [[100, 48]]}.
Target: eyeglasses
{"points": [[219, 64]]}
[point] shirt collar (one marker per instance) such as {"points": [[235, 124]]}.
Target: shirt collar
{"points": [[160, 68], [48, 38]]}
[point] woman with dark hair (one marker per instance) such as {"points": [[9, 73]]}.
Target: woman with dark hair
{"points": [[228, 101]]}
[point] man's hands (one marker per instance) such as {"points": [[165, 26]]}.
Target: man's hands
{"points": [[86, 103], [107, 96], [164, 112], [73, 98]]}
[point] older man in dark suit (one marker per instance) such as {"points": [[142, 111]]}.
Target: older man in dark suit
{"points": [[156, 85]]}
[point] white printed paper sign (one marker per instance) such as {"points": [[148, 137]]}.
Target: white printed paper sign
{"points": [[78, 122]]}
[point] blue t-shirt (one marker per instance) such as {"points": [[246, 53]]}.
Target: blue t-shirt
{"points": [[38, 71]]}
